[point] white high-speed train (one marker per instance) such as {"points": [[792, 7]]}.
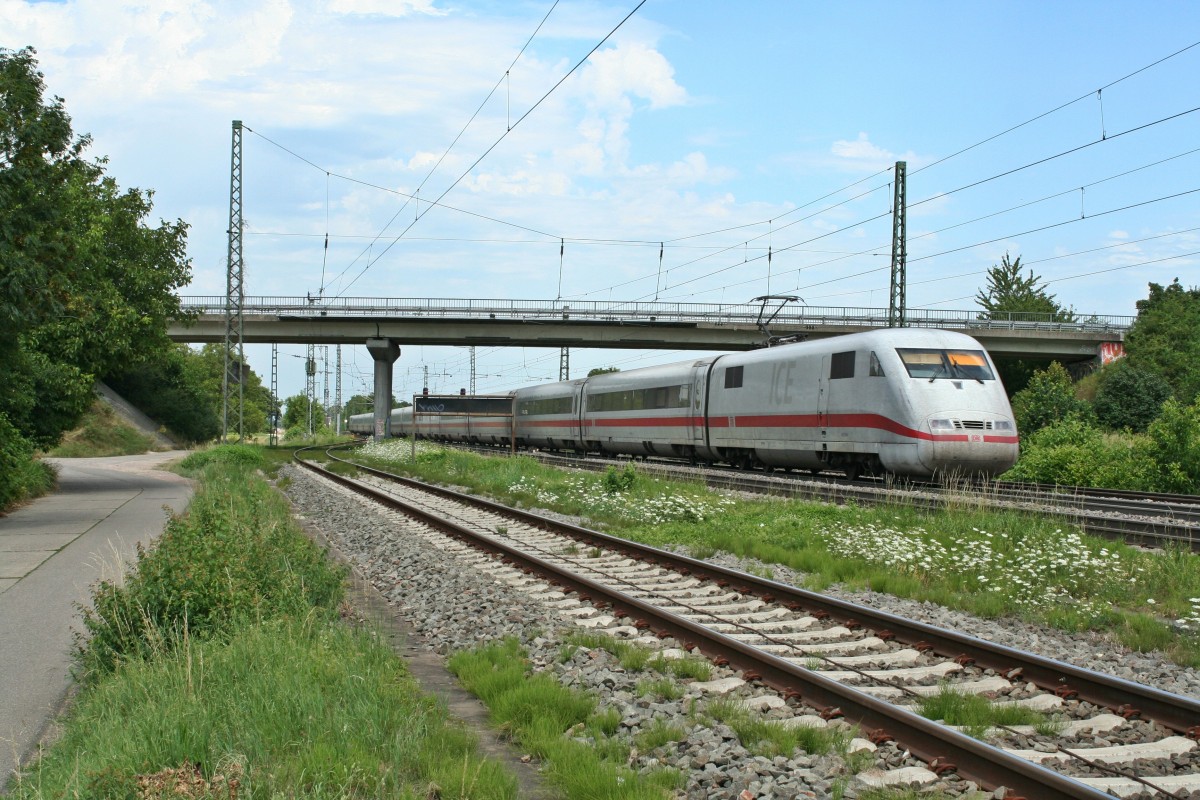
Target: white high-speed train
{"points": [[902, 400]]}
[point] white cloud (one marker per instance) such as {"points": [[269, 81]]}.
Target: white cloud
{"points": [[860, 149], [613, 74], [387, 8]]}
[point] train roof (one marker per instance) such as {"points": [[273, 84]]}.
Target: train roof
{"points": [[868, 340]]}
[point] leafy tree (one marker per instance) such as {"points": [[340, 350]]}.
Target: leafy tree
{"points": [[1049, 398], [1165, 338], [170, 388], [296, 415], [1129, 397], [85, 285], [258, 400], [1010, 295], [39, 155], [603, 371]]}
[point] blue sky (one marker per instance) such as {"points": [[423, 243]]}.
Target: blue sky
{"points": [[694, 117]]}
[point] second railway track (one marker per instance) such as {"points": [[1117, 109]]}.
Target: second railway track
{"points": [[1143, 518], [825, 654]]}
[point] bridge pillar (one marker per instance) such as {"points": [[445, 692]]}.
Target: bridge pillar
{"points": [[385, 352]]}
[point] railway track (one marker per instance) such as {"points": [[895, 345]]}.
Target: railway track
{"points": [[1142, 518], [834, 658]]}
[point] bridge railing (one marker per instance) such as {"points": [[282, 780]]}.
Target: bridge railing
{"points": [[717, 314]]}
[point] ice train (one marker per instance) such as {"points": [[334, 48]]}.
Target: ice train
{"points": [[907, 401]]}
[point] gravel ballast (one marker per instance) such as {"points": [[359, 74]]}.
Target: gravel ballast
{"points": [[454, 606]]}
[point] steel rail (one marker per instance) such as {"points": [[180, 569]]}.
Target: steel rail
{"points": [[1174, 711], [941, 747], [1156, 532]]}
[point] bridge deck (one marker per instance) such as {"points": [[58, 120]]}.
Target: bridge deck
{"points": [[620, 325]]}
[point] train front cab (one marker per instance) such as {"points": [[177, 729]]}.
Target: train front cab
{"points": [[852, 404], [964, 420]]}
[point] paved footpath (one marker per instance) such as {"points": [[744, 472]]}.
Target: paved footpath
{"points": [[51, 552]]}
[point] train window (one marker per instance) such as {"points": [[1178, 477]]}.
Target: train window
{"points": [[545, 405], [733, 377], [957, 364], [639, 399], [876, 367], [841, 365]]}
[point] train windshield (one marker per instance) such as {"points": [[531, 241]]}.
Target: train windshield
{"points": [[954, 364]]}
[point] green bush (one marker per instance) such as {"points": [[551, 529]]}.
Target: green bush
{"points": [[1129, 397], [235, 558], [21, 476], [1049, 398], [1074, 453], [619, 480], [243, 454], [295, 434], [1175, 448]]}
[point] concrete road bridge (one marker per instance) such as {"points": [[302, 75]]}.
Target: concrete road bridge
{"points": [[623, 325]]}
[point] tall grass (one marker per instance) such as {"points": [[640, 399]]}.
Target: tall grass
{"points": [[220, 664], [291, 708], [236, 558]]}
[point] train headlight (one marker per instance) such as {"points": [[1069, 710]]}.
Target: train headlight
{"points": [[1002, 425], [936, 425]]}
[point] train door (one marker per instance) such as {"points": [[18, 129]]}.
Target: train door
{"points": [[823, 398], [697, 413], [581, 416]]}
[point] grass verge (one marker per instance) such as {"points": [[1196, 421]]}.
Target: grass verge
{"points": [[102, 433], [989, 563], [220, 664], [289, 708]]}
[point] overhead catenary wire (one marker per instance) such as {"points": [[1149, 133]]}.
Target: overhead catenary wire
{"points": [[1053, 110], [1040, 161], [978, 244], [972, 185], [1009, 236], [504, 135], [390, 190], [961, 151], [506, 79], [1024, 262], [1091, 274]]}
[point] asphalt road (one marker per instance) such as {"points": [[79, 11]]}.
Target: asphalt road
{"points": [[51, 552]]}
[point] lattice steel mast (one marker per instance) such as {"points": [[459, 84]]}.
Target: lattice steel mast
{"points": [[338, 393], [235, 293], [274, 437], [897, 302]]}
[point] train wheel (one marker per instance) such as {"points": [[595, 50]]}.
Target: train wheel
{"points": [[853, 471]]}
